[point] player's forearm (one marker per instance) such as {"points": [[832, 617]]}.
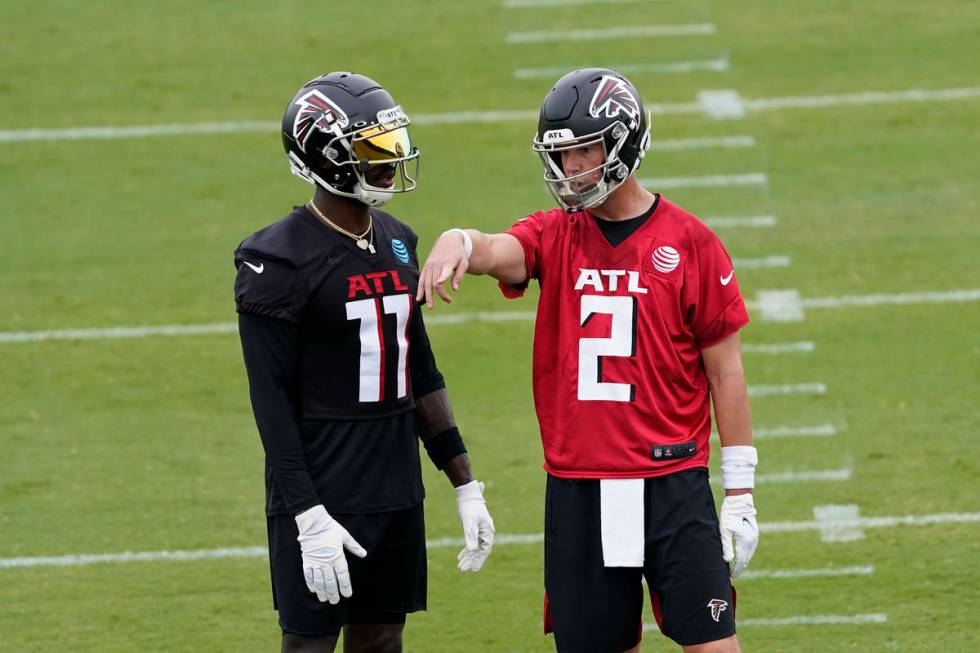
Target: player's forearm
{"points": [[733, 416], [438, 431], [499, 255]]}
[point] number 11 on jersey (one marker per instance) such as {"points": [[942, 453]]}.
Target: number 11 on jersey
{"points": [[371, 385]]}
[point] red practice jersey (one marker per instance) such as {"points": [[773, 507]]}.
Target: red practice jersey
{"points": [[619, 385]]}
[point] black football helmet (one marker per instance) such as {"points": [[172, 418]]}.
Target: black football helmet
{"points": [[341, 124], [585, 107]]}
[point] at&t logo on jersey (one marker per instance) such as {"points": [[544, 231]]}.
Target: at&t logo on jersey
{"points": [[665, 259], [609, 280], [399, 250]]}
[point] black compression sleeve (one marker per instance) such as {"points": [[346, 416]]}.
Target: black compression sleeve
{"points": [[269, 346]]}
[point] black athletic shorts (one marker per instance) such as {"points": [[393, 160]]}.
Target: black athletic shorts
{"points": [[597, 609], [387, 584]]}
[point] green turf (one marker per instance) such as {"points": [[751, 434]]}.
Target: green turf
{"points": [[149, 444]]}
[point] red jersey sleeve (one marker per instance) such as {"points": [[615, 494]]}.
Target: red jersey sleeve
{"points": [[715, 308], [528, 232]]}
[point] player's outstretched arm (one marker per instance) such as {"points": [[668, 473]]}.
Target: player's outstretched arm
{"points": [[459, 251], [729, 394]]}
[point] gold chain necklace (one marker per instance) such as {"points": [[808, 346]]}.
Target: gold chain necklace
{"points": [[361, 239]]}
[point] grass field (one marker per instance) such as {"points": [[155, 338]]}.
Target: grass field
{"points": [[147, 444]]}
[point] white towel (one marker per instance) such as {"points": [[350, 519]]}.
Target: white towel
{"points": [[621, 514]]}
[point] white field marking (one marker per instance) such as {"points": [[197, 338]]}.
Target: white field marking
{"points": [[971, 295], [789, 389], [800, 477], [840, 522], [135, 131], [753, 574], [764, 262], [787, 305], [721, 105], [516, 4], [804, 346], [460, 318], [692, 29], [862, 98], [820, 430], [804, 620], [227, 327], [80, 560], [703, 143], [525, 538], [779, 305], [747, 221], [651, 68], [872, 522], [464, 117], [708, 181], [119, 332]]}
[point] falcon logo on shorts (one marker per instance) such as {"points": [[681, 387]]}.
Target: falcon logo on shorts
{"points": [[717, 606], [666, 259], [399, 250], [612, 98], [316, 111]]}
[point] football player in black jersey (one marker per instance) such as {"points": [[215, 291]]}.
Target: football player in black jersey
{"points": [[343, 381]]}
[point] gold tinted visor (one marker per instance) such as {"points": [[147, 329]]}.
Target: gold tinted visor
{"points": [[377, 144]]}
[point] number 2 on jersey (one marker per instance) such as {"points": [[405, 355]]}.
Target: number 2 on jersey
{"points": [[621, 342], [371, 385]]}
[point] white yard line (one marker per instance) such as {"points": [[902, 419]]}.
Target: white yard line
{"points": [[448, 542], [708, 107], [752, 574], [871, 522], [518, 4], [627, 31], [804, 620], [707, 181], [650, 68], [703, 143], [758, 221], [840, 523], [830, 475], [228, 327], [764, 262], [787, 305], [779, 347], [818, 431], [458, 318], [789, 389], [862, 98]]}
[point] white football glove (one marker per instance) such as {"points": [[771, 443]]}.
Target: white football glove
{"points": [[477, 526], [322, 541], [739, 531]]}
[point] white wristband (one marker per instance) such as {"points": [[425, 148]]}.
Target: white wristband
{"points": [[738, 467], [467, 241]]}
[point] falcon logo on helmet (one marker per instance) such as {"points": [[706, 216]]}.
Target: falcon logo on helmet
{"points": [[613, 97], [316, 112]]}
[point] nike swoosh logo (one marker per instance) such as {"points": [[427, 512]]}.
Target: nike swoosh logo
{"points": [[258, 268], [727, 280]]}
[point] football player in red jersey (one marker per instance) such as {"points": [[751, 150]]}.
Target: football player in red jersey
{"points": [[637, 332], [343, 381]]}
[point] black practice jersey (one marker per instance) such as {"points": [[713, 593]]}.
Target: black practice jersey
{"points": [[335, 349]]}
